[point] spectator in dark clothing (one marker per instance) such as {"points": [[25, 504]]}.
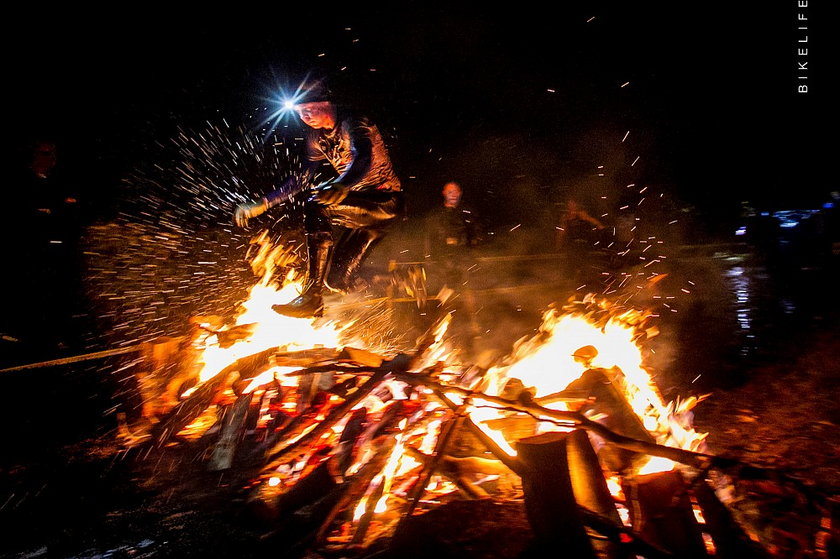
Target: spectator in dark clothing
{"points": [[577, 236], [365, 198], [42, 259], [576, 224], [452, 230]]}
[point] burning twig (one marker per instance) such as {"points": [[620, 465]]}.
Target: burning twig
{"points": [[576, 419], [429, 467], [187, 410], [277, 457]]}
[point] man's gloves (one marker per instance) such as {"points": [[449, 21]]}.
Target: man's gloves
{"points": [[247, 210], [330, 193]]}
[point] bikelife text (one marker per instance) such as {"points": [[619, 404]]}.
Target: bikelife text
{"points": [[801, 46]]}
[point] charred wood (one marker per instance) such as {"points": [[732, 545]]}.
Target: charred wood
{"points": [[661, 511], [611, 404], [277, 457], [731, 542], [233, 431], [549, 497]]}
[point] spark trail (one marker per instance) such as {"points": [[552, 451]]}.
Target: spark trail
{"points": [[172, 251]]}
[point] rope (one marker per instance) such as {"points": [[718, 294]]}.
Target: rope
{"points": [[74, 359]]}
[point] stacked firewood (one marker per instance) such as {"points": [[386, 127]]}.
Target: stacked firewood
{"points": [[361, 443]]}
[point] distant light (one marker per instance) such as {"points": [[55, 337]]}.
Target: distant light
{"points": [[741, 231], [765, 214], [828, 205]]}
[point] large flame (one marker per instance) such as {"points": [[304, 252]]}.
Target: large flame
{"points": [[267, 328], [569, 344]]}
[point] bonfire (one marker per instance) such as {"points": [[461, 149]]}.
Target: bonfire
{"points": [[342, 444]]}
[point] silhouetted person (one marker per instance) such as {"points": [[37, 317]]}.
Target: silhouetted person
{"points": [[41, 257], [577, 235], [452, 230]]}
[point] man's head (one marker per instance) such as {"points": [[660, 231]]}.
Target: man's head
{"points": [[317, 114], [451, 194], [315, 106]]}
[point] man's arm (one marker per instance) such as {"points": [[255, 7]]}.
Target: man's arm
{"points": [[292, 185], [288, 188], [474, 227], [361, 134], [591, 220]]}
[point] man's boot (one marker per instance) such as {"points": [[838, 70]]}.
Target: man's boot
{"points": [[353, 250], [310, 303]]}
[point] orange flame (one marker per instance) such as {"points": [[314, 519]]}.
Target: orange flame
{"points": [[551, 360]]}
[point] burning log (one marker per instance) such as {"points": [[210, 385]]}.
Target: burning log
{"points": [[610, 403], [549, 497], [187, 410], [729, 538], [660, 510], [589, 486], [588, 481]]}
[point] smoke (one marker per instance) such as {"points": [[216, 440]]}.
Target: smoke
{"points": [[519, 187]]}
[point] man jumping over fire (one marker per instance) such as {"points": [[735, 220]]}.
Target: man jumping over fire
{"points": [[365, 197]]}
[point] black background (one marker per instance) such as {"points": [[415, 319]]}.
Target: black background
{"points": [[711, 105]]}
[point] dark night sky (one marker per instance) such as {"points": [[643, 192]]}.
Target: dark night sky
{"points": [[710, 106]]}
